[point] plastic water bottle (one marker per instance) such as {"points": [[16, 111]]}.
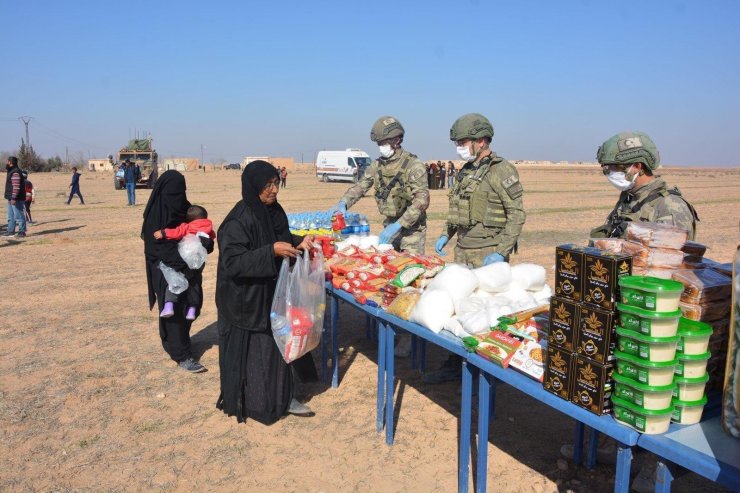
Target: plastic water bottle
{"points": [[364, 226], [280, 324]]}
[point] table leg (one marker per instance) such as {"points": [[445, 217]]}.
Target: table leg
{"points": [[492, 406], [381, 375], [624, 460], [663, 478], [334, 344], [413, 351], [390, 333], [578, 443], [484, 386], [593, 447], [465, 419]]}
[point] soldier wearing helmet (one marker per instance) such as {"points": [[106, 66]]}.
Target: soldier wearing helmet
{"points": [[629, 161], [486, 209], [401, 188]]}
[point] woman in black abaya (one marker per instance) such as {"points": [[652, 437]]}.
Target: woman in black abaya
{"points": [[166, 208], [253, 239]]}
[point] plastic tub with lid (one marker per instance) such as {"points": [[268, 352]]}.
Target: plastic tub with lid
{"points": [[688, 412], [693, 336], [647, 372], [692, 365], [645, 396], [657, 349], [647, 421], [654, 324], [690, 389], [650, 293]]}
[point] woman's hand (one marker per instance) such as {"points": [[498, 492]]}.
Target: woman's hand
{"points": [[158, 234], [284, 249], [307, 242]]}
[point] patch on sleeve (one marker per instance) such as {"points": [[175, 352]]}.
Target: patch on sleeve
{"points": [[513, 187], [510, 181]]}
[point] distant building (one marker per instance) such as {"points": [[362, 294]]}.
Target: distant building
{"points": [[288, 162], [180, 164], [99, 165]]}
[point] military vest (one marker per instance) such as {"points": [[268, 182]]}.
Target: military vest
{"points": [[471, 204], [392, 192]]}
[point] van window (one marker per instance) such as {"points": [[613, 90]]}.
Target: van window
{"points": [[350, 162], [363, 161]]}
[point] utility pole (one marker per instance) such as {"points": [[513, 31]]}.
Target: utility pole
{"points": [[202, 163], [26, 120]]}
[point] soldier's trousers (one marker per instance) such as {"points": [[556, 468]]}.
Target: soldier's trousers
{"points": [[412, 239], [473, 257]]}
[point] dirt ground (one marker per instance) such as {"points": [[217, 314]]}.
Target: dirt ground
{"points": [[90, 402]]}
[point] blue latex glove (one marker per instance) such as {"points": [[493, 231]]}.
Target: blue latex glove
{"points": [[493, 258], [441, 242], [340, 207], [386, 236]]}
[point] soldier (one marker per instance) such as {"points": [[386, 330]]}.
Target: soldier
{"points": [[629, 160], [485, 211], [401, 189]]}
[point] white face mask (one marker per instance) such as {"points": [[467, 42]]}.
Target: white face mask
{"points": [[464, 153], [619, 180], [386, 151]]}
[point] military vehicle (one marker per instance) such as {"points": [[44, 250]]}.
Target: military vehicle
{"points": [[138, 151]]}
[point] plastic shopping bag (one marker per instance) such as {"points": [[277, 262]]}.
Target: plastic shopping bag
{"points": [[192, 251], [176, 281], [297, 314]]}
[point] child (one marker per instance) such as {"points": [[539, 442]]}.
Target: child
{"points": [[197, 225]]}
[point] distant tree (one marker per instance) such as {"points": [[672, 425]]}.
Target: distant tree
{"points": [[54, 163], [29, 160]]}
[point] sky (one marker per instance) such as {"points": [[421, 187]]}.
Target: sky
{"points": [[289, 78]]}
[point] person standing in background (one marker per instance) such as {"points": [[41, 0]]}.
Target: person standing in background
{"points": [[450, 175], [15, 194], [30, 197], [75, 187]]}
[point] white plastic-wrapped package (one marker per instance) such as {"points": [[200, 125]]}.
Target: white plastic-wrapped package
{"points": [[454, 326], [470, 304], [475, 322], [542, 296], [368, 241], [517, 298], [456, 280], [494, 278], [528, 276], [433, 309], [192, 251]]}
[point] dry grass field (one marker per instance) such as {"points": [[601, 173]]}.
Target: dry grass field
{"points": [[89, 401]]}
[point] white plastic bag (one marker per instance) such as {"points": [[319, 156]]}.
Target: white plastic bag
{"points": [[297, 314], [192, 251], [494, 278], [456, 280], [433, 309], [528, 276], [475, 322], [176, 281]]}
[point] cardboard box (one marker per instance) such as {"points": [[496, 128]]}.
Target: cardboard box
{"points": [[596, 334], [529, 359], [601, 272], [592, 385], [498, 347], [563, 323], [569, 272], [558, 372]]}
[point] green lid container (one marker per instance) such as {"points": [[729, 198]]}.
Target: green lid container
{"points": [[652, 373], [648, 421], [688, 412], [694, 336], [650, 293], [646, 396], [692, 365], [690, 389], [655, 324], [646, 347]]}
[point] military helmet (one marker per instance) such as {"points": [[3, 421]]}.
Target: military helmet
{"points": [[471, 126], [386, 127], [629, 148]]}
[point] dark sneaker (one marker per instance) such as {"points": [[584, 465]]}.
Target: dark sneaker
{"points": [[298, 409], [9, 233], [168, 310], [191, 313], [191, 365], [20, 235]]}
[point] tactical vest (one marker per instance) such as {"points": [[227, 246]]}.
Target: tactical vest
{"points": [[469, 205], [392, 191]]}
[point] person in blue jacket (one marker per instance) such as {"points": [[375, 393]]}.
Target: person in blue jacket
{"points": [[131, 175], [75, 187]]}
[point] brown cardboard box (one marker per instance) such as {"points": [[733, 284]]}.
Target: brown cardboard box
{"points": [[558, 372], [563, 323], [592, 385], [601, 271], [596, 337], [569, 272]]}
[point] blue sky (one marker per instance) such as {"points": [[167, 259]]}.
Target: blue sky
{"points": [[289, 78]]}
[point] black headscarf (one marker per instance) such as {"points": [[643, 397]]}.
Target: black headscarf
{"points": [[271, 217], [167, 208]]}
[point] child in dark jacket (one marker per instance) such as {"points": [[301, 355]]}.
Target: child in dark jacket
{"points": [[197, 226]]}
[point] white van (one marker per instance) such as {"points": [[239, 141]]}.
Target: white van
{"points": [[347, 165]]}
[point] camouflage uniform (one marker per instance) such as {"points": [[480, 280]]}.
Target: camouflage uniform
{"points": [[652, 202], [402, 194], [486, 210]]}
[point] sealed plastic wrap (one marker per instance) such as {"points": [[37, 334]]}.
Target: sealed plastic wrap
{"points": [[657, 235], [494, 278], [528, 276], [694, 249], [703, 285], [297, 315], [403, 305], [192, 251], [176, 281], [653, 272], [609, 245], [693, 262], [433, 309], [731, 387], [456, 280], [705, 312]]}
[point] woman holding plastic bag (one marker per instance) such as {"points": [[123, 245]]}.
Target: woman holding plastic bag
{"points": [[256, 382]]}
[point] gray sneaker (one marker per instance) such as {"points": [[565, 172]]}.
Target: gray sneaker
{"points": [[20, 234], [298, 409], [191, 365]]}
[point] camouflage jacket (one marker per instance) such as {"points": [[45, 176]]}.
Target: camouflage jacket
{"points": [[652, 202], [407, 199], [501, 183]]}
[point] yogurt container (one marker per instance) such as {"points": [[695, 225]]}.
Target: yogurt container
{"points": [[646, 396], [690, 389], [688, 412], [693, 336], [654, 324], [648, 372], [657, 349], [651, 293], [692, 365], [649, 422]]}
